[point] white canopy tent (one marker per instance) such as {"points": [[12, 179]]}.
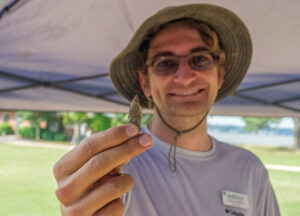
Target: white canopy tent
{"points": [[55, 54]]}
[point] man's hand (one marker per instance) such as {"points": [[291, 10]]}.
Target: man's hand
{"points": [[90, 182]]}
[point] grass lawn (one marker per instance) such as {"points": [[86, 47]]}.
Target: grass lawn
{"points": [[276, 155], [286, 184], [287, 189], [27, 184]]}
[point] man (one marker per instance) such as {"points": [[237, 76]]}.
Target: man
{"points": [[179, 62]]}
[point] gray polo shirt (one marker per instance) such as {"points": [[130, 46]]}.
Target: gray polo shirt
{"points": [[226, 180]]}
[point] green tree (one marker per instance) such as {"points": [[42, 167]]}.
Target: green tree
{"points": [[119, 119], [35, 119], [122, 118], [254, 124], [146, 118], [99, 122], [76, 119], [5, 129]]}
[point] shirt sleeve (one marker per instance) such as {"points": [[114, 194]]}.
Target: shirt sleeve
{"points": [[267, 203]]}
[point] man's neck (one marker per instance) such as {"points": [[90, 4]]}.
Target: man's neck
{"points": [[195, 140]]}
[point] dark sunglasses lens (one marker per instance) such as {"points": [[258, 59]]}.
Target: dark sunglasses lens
{"points": [[165, 66], [200, 61]]}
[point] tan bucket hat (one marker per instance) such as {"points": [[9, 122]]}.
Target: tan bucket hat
{"points": [[232, 32]]}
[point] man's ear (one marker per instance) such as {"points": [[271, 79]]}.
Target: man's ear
{"points": [[144, 83], [222, 73]]}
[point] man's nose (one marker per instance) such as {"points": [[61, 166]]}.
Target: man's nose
{"points": [[184, 74]]}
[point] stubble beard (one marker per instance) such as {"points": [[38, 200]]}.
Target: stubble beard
{"points": [[183, 118]]}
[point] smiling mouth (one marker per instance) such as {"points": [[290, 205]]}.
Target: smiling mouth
{"points": [[187, 93]]}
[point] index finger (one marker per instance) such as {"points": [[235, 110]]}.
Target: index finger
{"points": [[92, 145]]}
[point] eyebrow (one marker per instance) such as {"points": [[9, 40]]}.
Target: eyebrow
{"points": [[169, 53], [200, 48], [160, 54]]}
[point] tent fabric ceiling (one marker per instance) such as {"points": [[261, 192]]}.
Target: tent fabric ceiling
{"points": [[55, 55]]}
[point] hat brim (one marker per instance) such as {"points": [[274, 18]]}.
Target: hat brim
{"points": [[232, 33]]}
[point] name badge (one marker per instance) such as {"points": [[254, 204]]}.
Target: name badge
{"points": [[235, 199]]}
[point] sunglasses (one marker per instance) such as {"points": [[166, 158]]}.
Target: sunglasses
{"points": [[168, 64]]}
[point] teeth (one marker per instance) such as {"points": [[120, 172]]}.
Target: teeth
{"points": [[186, 93]]}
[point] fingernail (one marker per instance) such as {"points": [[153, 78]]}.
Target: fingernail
{"points": [[132, 131], [145, 140]]}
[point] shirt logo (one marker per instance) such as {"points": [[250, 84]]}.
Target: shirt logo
{"points": [[232, 212]]}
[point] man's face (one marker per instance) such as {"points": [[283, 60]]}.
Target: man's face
{"points": [[187, 92]]}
